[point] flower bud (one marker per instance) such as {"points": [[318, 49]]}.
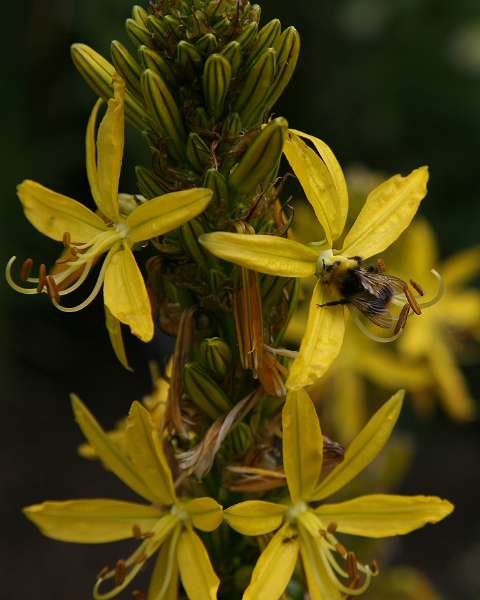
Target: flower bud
{"points": [[154, 61], [233, 53], [140, 16], [150, 184], [216, 356], [138, 34], [207, 43], [265, 39], [207, 395], [216, 182], [261, 158], [188, 57], [217, 75], [288, 49], [246, 38], [127, 67]]}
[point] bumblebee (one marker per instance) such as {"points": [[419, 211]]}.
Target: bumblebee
{"points": [[369, 290]]}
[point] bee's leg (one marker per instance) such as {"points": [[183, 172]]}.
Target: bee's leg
{"points": [[334, 303]]}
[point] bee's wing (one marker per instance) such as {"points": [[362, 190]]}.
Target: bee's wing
{"points": [[373, 308], [377, 283]]}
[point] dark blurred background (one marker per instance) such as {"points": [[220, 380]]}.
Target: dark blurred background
{"points": [[392, 84]]}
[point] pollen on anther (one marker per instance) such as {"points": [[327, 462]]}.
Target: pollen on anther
{"points": [[137, 532], [332, 528], [138, 595], [42, 277], [417, 287], [412, 301], [341, 549], [374, 567], [402, 318], [67, 239], [352, 565], [26, 268], [120, 572]]}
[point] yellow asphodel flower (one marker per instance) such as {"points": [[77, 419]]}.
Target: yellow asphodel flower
{"points": [[165, 525], [305, 525], [386, 213], [120, 224], [428, 341]]}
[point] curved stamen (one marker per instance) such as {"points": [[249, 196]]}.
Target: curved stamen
{"points": [[282, 351], [11, 282], [172, 555], [340, 587], [438, 294], [94, 293], [372, 336], [77, 283]]}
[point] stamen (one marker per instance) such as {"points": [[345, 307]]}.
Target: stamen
{"points": [[67, 239], [352, 565], [332, 528], [52, 289], [26, 269], [103, 572], [11, 282], [340, 548], [138, 595], [381, 265], [412, 300], [282, 351], [374, 567], [402, 318], [137, 532], [369, 334], [42, 277], [120, 572], [417, 287], [439, 292]]}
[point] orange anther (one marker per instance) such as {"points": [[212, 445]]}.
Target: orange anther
{"points": [[26, 268], [67, 239], [417, 287], [412, 300], [53, 289], [332, 528], [402, 318], [103, 572], [42, 277], [341, 549], [120, 572]]}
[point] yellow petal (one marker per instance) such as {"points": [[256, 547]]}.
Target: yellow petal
{"points": [[461, 267], [320, 585], [91, 153], [92, 521], [125, 294], [110, 141], [108, 452], [164, 213], [116, 338], [321, 342], [452, 386], [265, 253], [274, 568], [327, 183], [164, 579], [53, 214], [206, 514], [302, 445], [198, 577], [255, 517], [145, 449], [419, 250], [460, 309], [390, 371], [349, 409], [387, 212], [364, 448], [382, 515]]}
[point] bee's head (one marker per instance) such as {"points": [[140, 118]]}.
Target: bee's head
{"points": [[332, 266]]}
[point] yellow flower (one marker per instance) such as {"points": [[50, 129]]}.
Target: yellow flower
{"points": [[430, 339], [165, 525], [386, 213], [120, 225], [310, 529]]}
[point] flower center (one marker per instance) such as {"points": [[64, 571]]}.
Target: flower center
{"points": [[122, 229], [295, 510]]}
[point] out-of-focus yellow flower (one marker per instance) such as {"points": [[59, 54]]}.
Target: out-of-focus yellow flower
{"points": [[310, 531], [429, 340], [403, 583], [388, 210], [166, 525], [118, 227]]}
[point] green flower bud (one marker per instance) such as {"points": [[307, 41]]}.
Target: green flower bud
{"points": [[216, 356], [265, 39], [164, 110], [207, 43], [288, 50], [138, 34], [198, 153], [233, 53], [247, 37], [232, 125], [160, 31], [217, 75], [207, 395], [140, 16], [154, 61], [261, 158], [150, 184], [216, 182], [127, 67], [188, 57], [190, 232], [240, 439]]}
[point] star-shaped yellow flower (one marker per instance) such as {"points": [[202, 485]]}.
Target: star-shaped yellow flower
{"points": [[165, 525], [304, 525], [386, 213], [120, 224]]}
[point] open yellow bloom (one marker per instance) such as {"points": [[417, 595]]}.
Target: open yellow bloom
{"points": [[166, 525], [430, 340], [120, 224], [310, 529], [386, 213]]}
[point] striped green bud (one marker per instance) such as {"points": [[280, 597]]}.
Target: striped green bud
{"points": [[207, 43], [261, 159], [154, 61], [265, 39], [250, 104], [159, 29], [255, 13], [98, 73], [173, 25], [240, 439], [150, 184], [198, 153], [216, 356], [287, 48], [138, 34], [204, 392], [222, 26], [190, 233], [188, 57], [202, 119], [247, 37], [140, 16], [127, 67], [233, 53], [216, 8], [232, 126], [165, 112], [216, 182], [217, 75]]}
